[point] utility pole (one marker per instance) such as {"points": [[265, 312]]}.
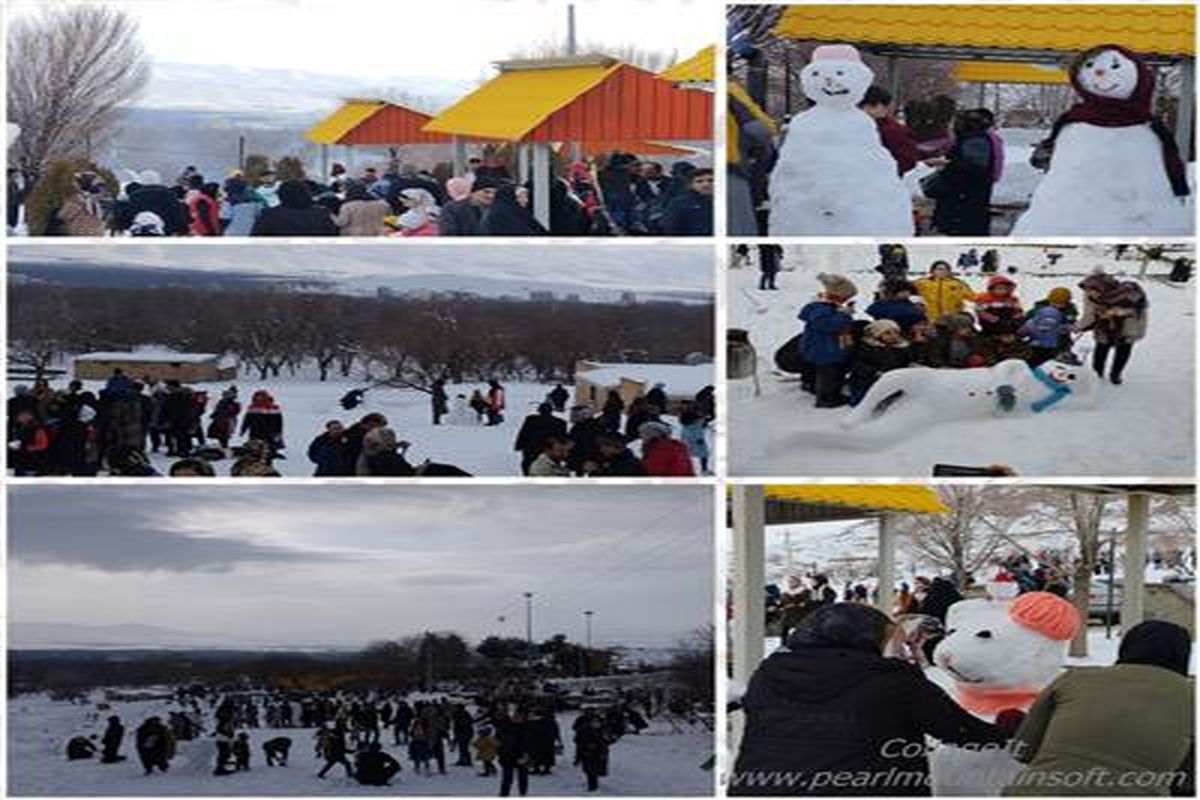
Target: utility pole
{"points": [[571, 44], [528, 629], [587, 652]]}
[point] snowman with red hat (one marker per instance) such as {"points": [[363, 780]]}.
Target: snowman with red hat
{"points": [[999, 653], [834, 177], [1114, 168]]}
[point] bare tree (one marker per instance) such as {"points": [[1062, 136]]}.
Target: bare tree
{"points": [[70, 70]]}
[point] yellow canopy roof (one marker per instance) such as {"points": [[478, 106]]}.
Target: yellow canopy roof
{"points": [[911, 498], [1144, 28], [1007, 72], [700, 68], [352, 114], [517, 101]]}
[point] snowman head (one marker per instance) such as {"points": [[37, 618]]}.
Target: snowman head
{"points": [[1108, 73], [1082, 382], [1001, 653], [836, 77]]}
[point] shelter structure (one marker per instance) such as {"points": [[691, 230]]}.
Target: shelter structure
{"points": [[362, 122], [594, 380], [155, 365]]}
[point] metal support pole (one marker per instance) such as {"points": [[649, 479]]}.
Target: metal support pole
{"points": [[749, 580], [887, 565], [324, 163], [893, 80], [541, 183], [528, 629], [1133, 608], [522, 163], [1186, 112], [460, 155], [571, 45]]}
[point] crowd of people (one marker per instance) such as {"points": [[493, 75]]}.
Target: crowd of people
{"points": [[940, 321], [505, 734], [115, 431], [627, 196]]}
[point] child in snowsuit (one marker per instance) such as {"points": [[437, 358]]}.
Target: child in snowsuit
{"points": [[1059, 298], [692, 433], [828, 340], [998, 309], [895, 303], [1044, 330], [883, 348]]}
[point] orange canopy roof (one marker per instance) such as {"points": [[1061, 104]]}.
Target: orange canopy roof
{"points": [[375, 122]]}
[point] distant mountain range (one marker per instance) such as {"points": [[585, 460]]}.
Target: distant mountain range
{"points": [[61, 635]]}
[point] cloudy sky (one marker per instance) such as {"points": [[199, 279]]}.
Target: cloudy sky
{"points": [[448, 40], [342, 565]]}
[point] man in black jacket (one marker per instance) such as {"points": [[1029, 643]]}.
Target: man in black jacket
{"points": [[535, 431]]}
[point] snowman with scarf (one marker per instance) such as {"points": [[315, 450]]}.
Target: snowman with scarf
{"points": [[999, 653], [1114, 169]]}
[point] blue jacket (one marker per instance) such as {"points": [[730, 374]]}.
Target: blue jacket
{"points": [[904, 313], [823, 342], [1045, 328], [689, 214]]}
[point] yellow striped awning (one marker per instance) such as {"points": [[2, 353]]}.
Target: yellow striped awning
{"points": [[352, 114], [1007, 72], [517, 101], [1144, 28], [912, 498], [700, 68]]}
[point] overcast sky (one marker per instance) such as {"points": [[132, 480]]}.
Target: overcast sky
{"points": [[377, 39], [317, 565]]}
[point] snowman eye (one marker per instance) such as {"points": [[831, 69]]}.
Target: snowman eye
{"points": [[984, 634], [1089, 63], [816, 73], [840, 73]]}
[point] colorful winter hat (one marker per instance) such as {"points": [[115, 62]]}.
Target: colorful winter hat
{"points": [[837, 286], [1046, 613], [836, 52], [1059, 296]]}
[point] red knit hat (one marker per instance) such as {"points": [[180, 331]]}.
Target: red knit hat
{"points": [[1046, 613]]}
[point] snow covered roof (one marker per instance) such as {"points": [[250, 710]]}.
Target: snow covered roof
{"points": [[154, 356], [679, 378]]}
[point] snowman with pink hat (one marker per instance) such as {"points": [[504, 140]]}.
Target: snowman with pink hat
{"points": [[834, 176], [998, 654]]}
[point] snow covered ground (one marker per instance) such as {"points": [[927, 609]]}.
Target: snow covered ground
{"points": [[1142, 428], [658, 762], [308, 404]]}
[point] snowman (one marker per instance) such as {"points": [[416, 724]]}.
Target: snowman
{"points": [[907, 400], [1114, 170], [999, 653], [834, 177]]}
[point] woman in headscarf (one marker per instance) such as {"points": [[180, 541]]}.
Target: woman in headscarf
{"points": [[507, 217], [830, 704], [1116, 312], [1122, 730], [421, 214]]}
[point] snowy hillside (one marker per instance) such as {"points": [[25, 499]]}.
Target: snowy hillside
{"points": [[1144, 427]]}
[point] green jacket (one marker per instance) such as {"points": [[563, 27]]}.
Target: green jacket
{"points": [[1108, 731]]}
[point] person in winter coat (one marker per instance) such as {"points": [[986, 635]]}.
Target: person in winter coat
{"points": [[827, 343], [383, 455], [82, 211], [463, 217], [662, 456], [295, 215], [657, 398], [81, 748], [31, 453], [487, 748], [240, 207], [373, 767], [895, 303], [611, 413], [941, 293], [558, 397], [513, 735], [1044, 329], [770, 258], [883, 348], [203, 209], [894, 135], [1147, 696], [964, 198], [327, 450], [1117, 314], [439, 401], [464, 732], [150, 195], [535, 431], [544, 739], [331, 746], [615, 459], [591, 749], [223, 421], [999, 309], [691, 213], [479, 405], [1059, 298], [874, 713], [495, 403], [551, 462], [505, 216], [111, 741], [693, 432], [263, 421], [953, 343], [360, 213], [640, 412]]}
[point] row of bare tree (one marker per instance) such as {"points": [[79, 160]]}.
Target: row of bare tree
{"points": [[403, 339]]}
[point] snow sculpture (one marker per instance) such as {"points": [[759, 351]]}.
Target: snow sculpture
{"points": [[834, 177]]}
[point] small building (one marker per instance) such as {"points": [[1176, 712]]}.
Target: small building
{"points": [[158, 365], [594, 380]]}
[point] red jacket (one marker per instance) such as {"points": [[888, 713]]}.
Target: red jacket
{"points": [[900, 142], [206, 219], [667, 458]]}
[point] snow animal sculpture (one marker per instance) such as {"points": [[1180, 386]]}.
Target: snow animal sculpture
{"points": [[834, 177], [1115, 170], [1000, 652], [908, 400]]}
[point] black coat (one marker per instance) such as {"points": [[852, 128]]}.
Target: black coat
{"points": [[626, 465], [459, 218], [689, 214], [283, 221], [514, 741], [964, 206], [536, 430], [583, 434], [835, 710], [872, 361], [158, 200], [506, 217]]}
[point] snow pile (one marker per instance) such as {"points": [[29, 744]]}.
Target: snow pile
{"points": [[1144, 427]]}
